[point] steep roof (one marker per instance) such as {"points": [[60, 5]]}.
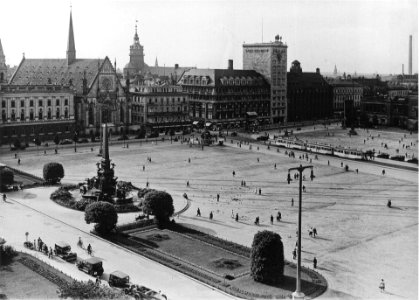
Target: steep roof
{"points": [[214, 76], [39, 71], [305, 79], [166, 71]]}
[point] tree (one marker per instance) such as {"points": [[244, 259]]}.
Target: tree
{"points": [[53, 172], [267, 257], [56, 139], [6, 177], [16, 143], [159, 204], [103, 214]]}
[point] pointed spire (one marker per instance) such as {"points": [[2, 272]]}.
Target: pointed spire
{"points": [[2, 56], [136, 38], [71, 47], [1, 48]]}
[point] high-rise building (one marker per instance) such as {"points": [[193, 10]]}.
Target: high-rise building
{"points": [[3, 67], [270, 59]]}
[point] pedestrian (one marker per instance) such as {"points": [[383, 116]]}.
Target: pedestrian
{"points": [[49, 252], [383, 172], [15, 155], [189, 160], [356, 171], [211, 215], [389, 203], [198, 212], [234, 173], [187, 183], [310, 232], [257, 221], [328, 163], [4, 197], [272, 219], [304, 188], [341, 164], [89, 249], [56, 151], [279, 216], [258, 159], [315, 262], [147, 184], [314, 231], [292, 201], [98, 281], [382, 286], [275, 166], [218, 197], [294, 254], [143, 168], [260, 191], [45, 152], [237, 217], [18, 161]]}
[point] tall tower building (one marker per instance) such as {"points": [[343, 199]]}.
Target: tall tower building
{"points": [[3, 67], [270, 59], [410, 55], [136, 57], [71, 47]]}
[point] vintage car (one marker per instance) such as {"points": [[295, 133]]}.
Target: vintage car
{"points": [[142, 292], [63, 250], [119, 279], [92, 266]]}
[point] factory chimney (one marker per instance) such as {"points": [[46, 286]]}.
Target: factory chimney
{"points": [[410, 54]]}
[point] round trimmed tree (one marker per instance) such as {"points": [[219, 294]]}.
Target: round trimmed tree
{"points": [[53, 172], [267, 257], [159, 204], [103, 214]]}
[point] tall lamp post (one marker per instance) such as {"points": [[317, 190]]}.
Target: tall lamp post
{"points": [[298, 294], [75, 141]]}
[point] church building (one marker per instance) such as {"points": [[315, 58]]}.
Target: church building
{"points": [[98, 94]]}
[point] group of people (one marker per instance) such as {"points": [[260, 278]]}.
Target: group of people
{"points": [[198, 214], [40, 246]]}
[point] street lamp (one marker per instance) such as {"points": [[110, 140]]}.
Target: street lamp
{"points": [[298, 294]]}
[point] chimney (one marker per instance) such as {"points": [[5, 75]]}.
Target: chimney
{"points": [[176, 66], [318, 71], [230, 65], [410, 54], [402, 69]]}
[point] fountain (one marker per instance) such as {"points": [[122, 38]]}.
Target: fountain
{"points": [[104, 187]]}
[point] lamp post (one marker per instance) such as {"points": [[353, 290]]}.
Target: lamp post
{"points": [[75, 141], [298, 294]]}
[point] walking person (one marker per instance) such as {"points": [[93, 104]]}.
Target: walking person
{"points": [[294, 254], [89, 249], [218, 197], [237, 217], [382, 286], [292, 201], [314, 231], [315, 263], [211, 215], [272, 219], [18, 161], [4, 197], [198, 212]]}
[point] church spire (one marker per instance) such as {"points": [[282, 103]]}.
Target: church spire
{"points": [[3, 67], [136, 38], [71, 48]]}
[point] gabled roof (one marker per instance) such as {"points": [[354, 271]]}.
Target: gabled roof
{"points": [[40, 71], [306, 79]]}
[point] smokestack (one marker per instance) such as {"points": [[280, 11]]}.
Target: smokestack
{"points": [[410, 54], [402, 69], [230, 65]]}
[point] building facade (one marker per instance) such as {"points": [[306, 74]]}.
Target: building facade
{"points": [[225, 96], [36, 111], [98, 94], [345, 91], [309, 95], [270, 60], [159, 108]]}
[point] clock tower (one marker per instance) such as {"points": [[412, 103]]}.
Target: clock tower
{"points": [[270, 59], [136, 57]]}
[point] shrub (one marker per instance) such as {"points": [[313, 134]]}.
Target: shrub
{"points": [[53, 172], [6, 254], [81, 204], [89, 290], [413, 160], [383, 155], [61, 194], [398, 157], [143, 192], [267, 257], [6, 176], [159, 204], [103, 214]]}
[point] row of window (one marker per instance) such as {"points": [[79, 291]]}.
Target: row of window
{"points": [[347, 91], [31, 103], [168, 109], [13, 114]]}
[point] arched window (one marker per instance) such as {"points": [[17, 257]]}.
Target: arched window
{"points": [[13, 115], [57, 113], [3, 115], [49, 114], [91, 116], [22, 115], [31, 117], [40, 114], [66, 113]]}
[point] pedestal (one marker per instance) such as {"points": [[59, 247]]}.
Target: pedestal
{"points": [[298, 296]]}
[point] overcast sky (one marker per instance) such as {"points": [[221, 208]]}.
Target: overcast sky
{"points": [[366, 36]]}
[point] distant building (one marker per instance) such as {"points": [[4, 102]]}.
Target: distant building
{"points": [[309, 95], [345, 91], [270, 60], [98, 95], [159, 108], [36, 111], [226, 96], [136, 58], [372, 86]]}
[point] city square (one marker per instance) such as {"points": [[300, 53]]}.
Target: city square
{"points": [[348, 209]]}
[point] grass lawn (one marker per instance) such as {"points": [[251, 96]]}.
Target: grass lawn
{"points": [[196, 252], [18, 282]]}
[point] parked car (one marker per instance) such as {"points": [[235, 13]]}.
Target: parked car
{"points": [[142, 292], [92, 266], [66, 142], [63, 250], [153, 135], [119, 279], [262, 138], [83, 140]]}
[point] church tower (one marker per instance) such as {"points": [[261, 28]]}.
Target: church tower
{"points": [[136, 57], [3, 67], [71, 47]]}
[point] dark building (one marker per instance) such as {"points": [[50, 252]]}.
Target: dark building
{"points": [[310, 97], [372, 86], [226, 96], [385, 111]]}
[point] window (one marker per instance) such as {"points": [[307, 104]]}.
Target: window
{"points": [[13, 103], [66, 113], [40, 114], [22, 115], [57, 102], [65, 101], [49, 102], [3, 115], [31, 103], [57, 113], [22, 103], [3, 104], [40, 103]]}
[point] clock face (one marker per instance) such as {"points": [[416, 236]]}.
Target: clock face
{"points": [[106, 84]]}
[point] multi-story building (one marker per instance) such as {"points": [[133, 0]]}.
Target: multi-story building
{"points": [[98, 95], [398, 91], [345, 92], [270, 60], [309, 95], [226, 96], [42, 111], [159, 108]]}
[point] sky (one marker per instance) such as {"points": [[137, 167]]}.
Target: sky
{"points": [[363, 36]]}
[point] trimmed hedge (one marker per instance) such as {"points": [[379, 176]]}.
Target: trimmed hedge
{"points": [[90, 290], [159, 204], [62, 194], [53, 172], [7, 253], [103, 214], [398, 157]]}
